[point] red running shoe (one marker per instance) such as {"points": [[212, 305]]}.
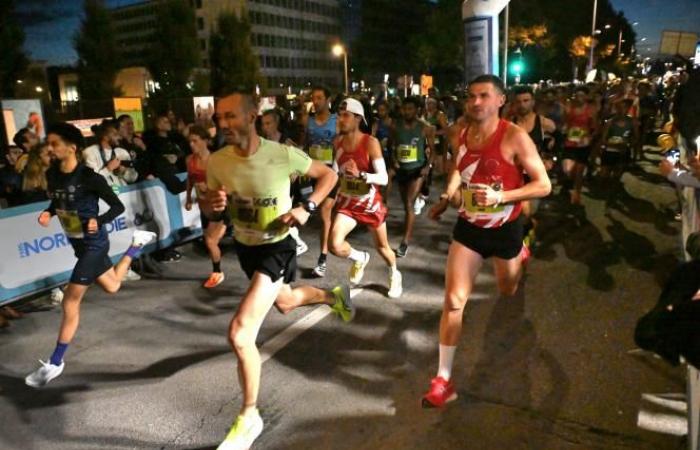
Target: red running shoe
{"points": [[441, 392]]}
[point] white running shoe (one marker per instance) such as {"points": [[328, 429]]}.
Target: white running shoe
{"points": [[56, 296], [418, 205], [301, 247], [243, 433], [47, 372], [395, 284], [141, 238], [131, 276], [357, 270]]}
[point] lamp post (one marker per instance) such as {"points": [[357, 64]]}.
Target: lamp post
{"points": [[593, 33], [339, 50]]}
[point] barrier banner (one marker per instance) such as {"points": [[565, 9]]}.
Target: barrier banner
{"points": [[37, 258]]}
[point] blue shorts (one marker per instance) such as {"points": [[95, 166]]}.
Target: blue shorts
{"points": [[93, 260]]}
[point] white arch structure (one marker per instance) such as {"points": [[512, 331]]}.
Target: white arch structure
{"points": [[481, 37]]}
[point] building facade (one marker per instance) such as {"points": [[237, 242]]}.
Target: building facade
{"points": [[292, 38]]}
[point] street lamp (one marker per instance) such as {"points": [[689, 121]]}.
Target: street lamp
{"points": [[338, 51], [593, 33]]}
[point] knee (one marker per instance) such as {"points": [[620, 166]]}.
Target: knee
{"points": [[455, 301], [239, 336], [113, 288], [336, 246]]}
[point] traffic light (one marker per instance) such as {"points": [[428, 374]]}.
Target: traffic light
{"points": [[517, 67]]}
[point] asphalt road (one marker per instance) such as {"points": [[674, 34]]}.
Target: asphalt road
{"points": [[547, 369]]}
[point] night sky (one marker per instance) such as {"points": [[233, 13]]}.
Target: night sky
{"points": [[51, 24]]}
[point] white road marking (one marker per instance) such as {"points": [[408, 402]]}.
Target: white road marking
{"points": [[284, 337]]}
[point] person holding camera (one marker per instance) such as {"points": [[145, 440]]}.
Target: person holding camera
{"points": [[112, 162]]}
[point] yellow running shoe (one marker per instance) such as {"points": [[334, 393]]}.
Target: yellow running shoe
{"points": [[343, 306], [244, 431]]}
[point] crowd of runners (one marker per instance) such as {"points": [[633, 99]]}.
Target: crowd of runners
{"points": [[491, 155]]}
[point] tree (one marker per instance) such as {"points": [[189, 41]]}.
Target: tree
{"points": [[175, 53], [13, 61], [98, 58], [233, 63]]}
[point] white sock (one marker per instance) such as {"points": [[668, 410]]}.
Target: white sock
{"points": [[356, 255], [393, 268], [447, 355]]}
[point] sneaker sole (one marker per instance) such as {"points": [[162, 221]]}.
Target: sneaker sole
{"points": [[426, 404]]}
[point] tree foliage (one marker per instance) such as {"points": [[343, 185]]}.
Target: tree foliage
{"points": [[13, 61], [175, 53], [98, 58], [233, 63]]}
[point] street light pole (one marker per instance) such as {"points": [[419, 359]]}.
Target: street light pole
{"points": [[595, 14], [345, 64]]}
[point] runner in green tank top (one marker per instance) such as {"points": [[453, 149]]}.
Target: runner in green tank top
{"points": [[252, 174], [413, 144]]}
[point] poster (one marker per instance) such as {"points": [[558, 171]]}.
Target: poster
{"points": [[204, 111], [131, 106], [18, 114], [266, 103], [85, 125], [477, 46], [426, 83]]}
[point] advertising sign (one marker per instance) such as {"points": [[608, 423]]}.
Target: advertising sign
{"points": [[18, 114], [131, 106]]}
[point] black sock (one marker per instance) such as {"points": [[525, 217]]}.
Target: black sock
{"points": [[322, 258], [216, 266]]}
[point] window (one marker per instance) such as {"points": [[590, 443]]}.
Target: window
{"points": [[200, 23], [199, 4]]}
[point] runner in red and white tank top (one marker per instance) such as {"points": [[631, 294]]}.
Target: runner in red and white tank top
{"points": [[487, 184], [356, 198], [362, 169], [485, 166]]}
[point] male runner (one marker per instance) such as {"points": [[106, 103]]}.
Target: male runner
{"points": [[580, 124], [537, 127], [75, 191], [620, 141], [487, 181], [412, 161], [362, 168], [320, 132], [254, 173]]}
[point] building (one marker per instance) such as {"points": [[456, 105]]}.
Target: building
{"points": [[293, 38]]}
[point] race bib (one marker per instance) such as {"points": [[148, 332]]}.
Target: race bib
{"points": [[469, 201], [576, 134], [321, 153], [354, 187], [616, 140], [71, 224], [407, 154]]}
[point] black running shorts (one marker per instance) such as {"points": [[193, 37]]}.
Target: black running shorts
{"points": [[504, 242], [407, 176], [93, 261], [578, 154], [613, 159], [277, 260]]}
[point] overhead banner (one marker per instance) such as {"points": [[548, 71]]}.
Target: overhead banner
{"points": [[131, 106], [37, 258], [18, 114]]}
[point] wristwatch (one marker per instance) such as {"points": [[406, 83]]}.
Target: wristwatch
{"points": [[309, 206], [363, 176]]}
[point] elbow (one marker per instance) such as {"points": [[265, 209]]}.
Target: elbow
{"points": [[546, 187]]}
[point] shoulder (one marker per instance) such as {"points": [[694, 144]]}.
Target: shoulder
{"points": [[91, 149], [516, 134]]}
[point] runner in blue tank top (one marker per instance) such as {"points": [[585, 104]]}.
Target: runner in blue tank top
{"points": [[321, 129]]}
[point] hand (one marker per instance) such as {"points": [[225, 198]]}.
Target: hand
{"points": [[488, 196], [350, 169], [44, 219], [188, 204], [139, 143], [666, 167], [296, 216], [113, 165], [216, 199], [150, 177], [438, 209], [92, 226], [201, 187]]}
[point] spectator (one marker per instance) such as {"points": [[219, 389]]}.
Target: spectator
{"points": [[10, 179], [129, 141], [166, 152], [34, 175], [26, 140], [110, 161]]}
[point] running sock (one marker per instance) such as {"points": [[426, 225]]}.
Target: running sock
{"points": [[216, 266], [322, 258], [447, 355], [57, 356], [133, 252], [356, 256]]}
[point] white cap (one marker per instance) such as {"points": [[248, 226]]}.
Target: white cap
{"points": [[353, 106]]}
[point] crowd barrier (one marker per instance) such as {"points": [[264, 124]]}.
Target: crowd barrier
{"points": [[34, 258]]}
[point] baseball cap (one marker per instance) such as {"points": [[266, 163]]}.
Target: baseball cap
{"points": [[353, 106]]}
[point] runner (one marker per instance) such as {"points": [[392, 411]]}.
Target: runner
{"points": [[301, 188], [255, 173], [488, 182], [412, 162], [620, 137], [537, 127], [320, 132], [359, 200], [579, 127], [75, 190], [197, 179], [381, 129]]}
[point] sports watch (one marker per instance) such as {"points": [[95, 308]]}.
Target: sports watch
{"points": [[309, 206]]}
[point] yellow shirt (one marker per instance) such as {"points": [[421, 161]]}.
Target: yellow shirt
{"points": [[257, 188]]}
